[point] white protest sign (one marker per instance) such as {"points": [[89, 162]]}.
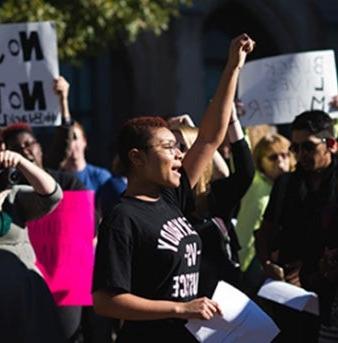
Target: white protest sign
{"points": [[276, 89], [28, 65]]}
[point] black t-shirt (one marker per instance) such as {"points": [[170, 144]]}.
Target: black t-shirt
{"points": [[66, 180], [150, 249]]}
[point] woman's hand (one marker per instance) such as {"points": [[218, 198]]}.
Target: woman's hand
{"points": [[240, 47], [200, 308], [184, 119], [61, 87], [274, 271], [9, 159]]}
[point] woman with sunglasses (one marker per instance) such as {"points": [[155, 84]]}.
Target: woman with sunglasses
{"points": [[148, 254], [272, 158]]}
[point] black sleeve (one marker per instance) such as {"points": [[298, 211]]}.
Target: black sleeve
{"points": [[67, 181], [273, 209], [227, 192], [113, 256], [59, 148]]}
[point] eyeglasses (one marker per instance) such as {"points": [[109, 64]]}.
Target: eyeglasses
{"points": [[274, 157], [307, 146], [23, 146], [171, 147]]}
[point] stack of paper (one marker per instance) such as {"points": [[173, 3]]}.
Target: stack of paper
{"points": [[242, 320]]}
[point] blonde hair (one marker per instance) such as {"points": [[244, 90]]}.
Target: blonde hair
{"points": [[273, 142], [202, 187]]}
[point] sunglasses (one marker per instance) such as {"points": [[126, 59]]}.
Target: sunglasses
{"points": [[307, 146], [274, 157]]}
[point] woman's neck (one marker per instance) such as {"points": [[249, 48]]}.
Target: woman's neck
{"points": [[74, 165], [141, 189]]}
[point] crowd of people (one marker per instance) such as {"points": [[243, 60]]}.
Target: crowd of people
{"points": [[191, 206]]}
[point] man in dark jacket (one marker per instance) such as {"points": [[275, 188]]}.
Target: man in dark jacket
{"points": [[294, 238]]}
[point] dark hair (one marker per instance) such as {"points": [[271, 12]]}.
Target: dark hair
{"points": [[10, 132], [136, 133], [315, 122]]}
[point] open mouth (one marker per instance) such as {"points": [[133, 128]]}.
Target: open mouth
{"points": [[176, 170]]}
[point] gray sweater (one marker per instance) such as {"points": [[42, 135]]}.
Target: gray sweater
{"points": [[23, 204]]}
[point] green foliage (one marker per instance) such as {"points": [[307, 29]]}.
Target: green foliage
{"points": [[85, 26]]}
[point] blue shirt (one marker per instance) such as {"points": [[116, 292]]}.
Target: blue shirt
{"points": [[108, 187]]}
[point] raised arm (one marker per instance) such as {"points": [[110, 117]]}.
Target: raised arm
{"points": [[59, 148], [61, 88], [41, 181], [215, 122]]}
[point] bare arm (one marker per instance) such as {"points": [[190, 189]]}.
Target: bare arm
{"points": [[131, 307], [61, 88], [215, 122], [41, 181]]}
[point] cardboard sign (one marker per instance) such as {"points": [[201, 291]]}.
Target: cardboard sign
{"points": [[63, 243], [276, 89], [28, 65]]}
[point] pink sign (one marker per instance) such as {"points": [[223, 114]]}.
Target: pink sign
{"points": [[63, 243]]}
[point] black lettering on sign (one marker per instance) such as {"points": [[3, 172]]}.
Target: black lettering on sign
{"points": [[4, 120], [30, 43], [2, 57], [14, 47], [1, 85], [36, 96], [321, 87], [320, 102], [50, 118], [15, 100], [36, 118]]}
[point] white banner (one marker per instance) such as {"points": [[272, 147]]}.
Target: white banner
{"points": [[276, 89], [28, 65]]}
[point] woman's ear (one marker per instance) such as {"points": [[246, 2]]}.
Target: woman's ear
{"points": [[136, 157]]}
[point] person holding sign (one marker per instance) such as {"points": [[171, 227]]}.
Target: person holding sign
{"points": [[297, 241], [27, 310], [68, 153], [148, 255]]}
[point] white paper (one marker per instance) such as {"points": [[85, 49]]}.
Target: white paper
{"points": [[276, 89], [241, 321], [28, 66], [290, 295]]}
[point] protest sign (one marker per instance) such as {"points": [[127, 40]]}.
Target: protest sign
{"points": [[63, 243], [276, 89], [28, 65]]}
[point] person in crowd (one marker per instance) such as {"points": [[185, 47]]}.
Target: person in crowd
{"points": [[295, 239], [272, 158], [68, 150], [69, 147], [217, 195], [27, 309], [21, 139], [148, 255]]}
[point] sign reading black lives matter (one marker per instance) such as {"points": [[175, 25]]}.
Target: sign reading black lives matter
{"points": [[276, 89], [28, 65]]}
